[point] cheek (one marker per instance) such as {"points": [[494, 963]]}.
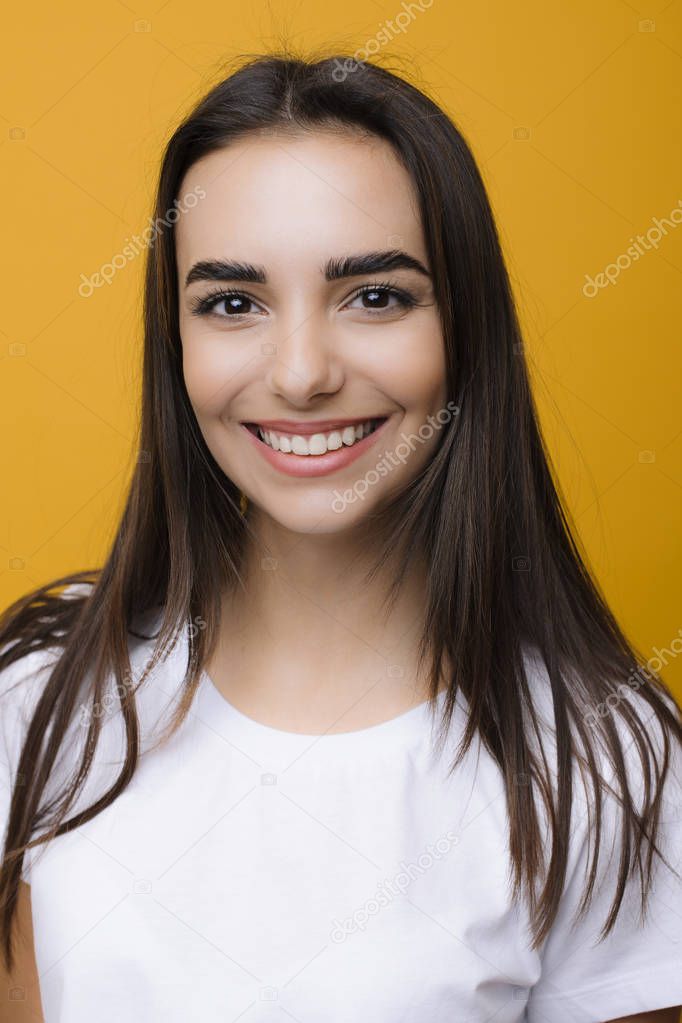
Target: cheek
{"points": [[209, 388], [415, 376], [208, 374]]}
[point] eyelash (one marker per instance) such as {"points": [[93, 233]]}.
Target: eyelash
{"points": [[205, 305]]}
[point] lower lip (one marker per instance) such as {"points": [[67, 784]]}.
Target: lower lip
{"points": [[314, 465]]}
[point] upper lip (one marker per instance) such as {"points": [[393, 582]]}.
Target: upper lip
{"points": [[306, 428]]}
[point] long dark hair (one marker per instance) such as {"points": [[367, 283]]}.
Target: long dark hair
{"points": [[505, 574]]}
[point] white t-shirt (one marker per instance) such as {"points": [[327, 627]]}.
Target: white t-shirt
{"points": [[252, 874]]}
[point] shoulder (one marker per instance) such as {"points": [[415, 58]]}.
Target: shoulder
{"points": [[21, 684], [22, 680], [625, 732], [636, 964], [638, 728]]}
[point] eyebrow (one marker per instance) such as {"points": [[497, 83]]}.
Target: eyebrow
{"points": [[334, 270]]}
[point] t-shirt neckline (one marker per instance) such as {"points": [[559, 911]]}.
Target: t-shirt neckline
{"points": [[241, 726]]}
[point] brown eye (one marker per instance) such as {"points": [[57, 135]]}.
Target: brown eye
{"points": [[225, 304], [375, 299], [234, 304], [378, 298]]}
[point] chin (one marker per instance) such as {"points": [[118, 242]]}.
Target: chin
{"points": [[313, 513]]}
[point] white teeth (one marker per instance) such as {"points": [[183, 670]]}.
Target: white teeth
{"points": [[318, 443], [299, 445]]}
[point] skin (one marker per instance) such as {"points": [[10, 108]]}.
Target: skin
{"points": [[290, 204], [302, 648], [26, 1008], [310, 349], [671, 1015]]}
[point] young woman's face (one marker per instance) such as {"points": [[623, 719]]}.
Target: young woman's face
{"points": [[310, 344]]}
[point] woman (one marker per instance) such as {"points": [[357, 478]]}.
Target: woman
{"points": [[339, 727]]}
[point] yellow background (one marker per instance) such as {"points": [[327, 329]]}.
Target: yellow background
{"points": [[572, 111]]}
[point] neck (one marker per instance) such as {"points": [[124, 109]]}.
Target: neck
{"points": [[307, 629]]}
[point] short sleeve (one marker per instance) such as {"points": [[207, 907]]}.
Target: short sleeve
{"points": [[21, 684], [638, 966], [19, 689]]}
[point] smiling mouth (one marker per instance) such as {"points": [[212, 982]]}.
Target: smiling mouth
{"points": [[289, 442]]}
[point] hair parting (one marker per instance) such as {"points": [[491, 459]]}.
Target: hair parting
{"points": [[506, 578]]}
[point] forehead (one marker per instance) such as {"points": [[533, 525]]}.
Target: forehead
{"points": [[305, 197]]}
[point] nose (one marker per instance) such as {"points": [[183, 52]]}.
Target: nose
{"points": [[305, 362]]}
